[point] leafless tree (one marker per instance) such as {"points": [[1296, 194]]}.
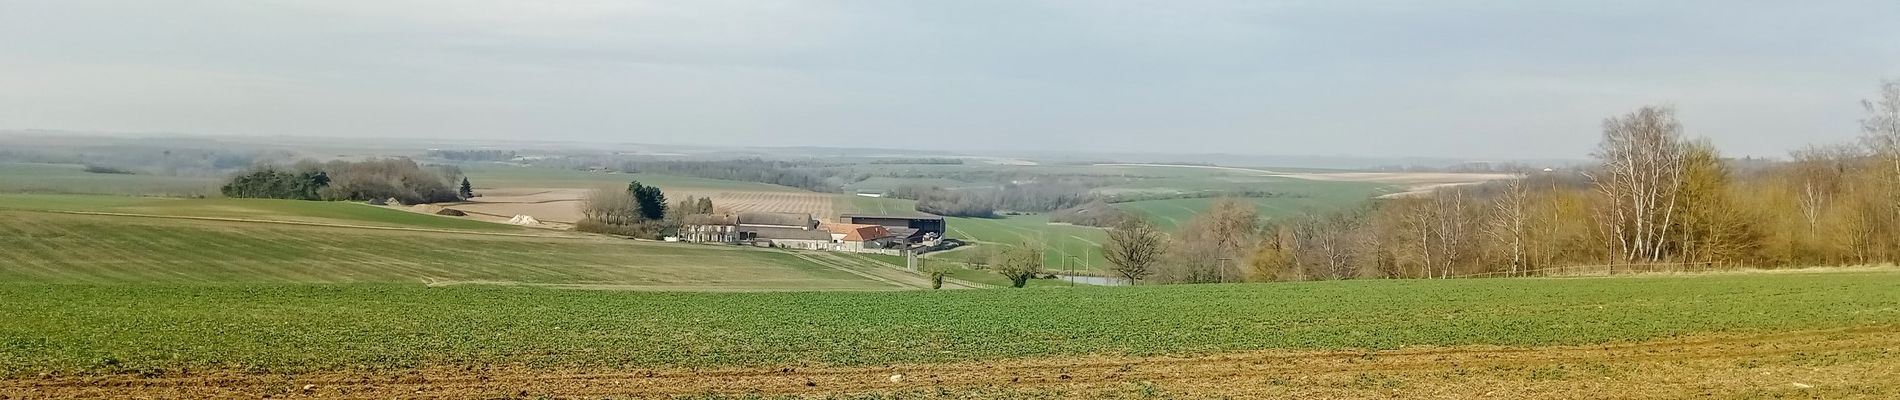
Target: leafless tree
{"points": [[1135, 248], [1881, 134], [1509, 228], [1639, 178]]}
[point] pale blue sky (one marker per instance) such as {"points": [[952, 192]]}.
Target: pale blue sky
{"points": [[1493, 80]]}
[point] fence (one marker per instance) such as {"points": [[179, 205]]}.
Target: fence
{"points": [[1602, 270]]}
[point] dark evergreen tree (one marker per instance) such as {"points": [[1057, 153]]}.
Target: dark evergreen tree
{"points": [[650, 199], [467, 191]]}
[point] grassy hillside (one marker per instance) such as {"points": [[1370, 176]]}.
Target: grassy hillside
{"points": [[64, 248], [321, 212], [159, 328], [71, 178]]}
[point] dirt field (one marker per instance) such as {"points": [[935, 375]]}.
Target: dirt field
{"points": [[562, 205], [1858, 363]]}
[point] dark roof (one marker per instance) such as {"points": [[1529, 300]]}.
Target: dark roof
{"points": [[905, 232], [918, 217], [788, 233], [711, 219], [775, 219]]}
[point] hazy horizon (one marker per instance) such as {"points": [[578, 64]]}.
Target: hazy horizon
{"points": [[1469, 80]]}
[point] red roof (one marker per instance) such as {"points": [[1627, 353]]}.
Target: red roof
{"points": [[859, 232]]}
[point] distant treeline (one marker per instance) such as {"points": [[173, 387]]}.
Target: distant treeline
{"points": [[1204, 194], [393, 178], [1040, 197], [920, 161], [1096, 213], [146, 159], [473, 155], [804, 175], [985, 202]]}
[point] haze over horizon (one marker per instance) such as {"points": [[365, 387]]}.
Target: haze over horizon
{"points": [[1461, 79]]}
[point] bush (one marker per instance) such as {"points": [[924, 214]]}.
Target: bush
{"points": [[101, 169]]}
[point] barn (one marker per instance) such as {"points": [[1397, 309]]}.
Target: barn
{"points": [[914, 229]]}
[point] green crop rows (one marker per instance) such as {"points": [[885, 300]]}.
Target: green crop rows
{"points": [[62, 248], [157, 328]]}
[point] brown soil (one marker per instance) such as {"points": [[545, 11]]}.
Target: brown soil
{"points": [[559, 206], [1859, 363]]}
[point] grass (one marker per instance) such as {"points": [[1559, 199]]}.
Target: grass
{"points": [[63, 248], [73, 179], [321, 212], [152, 328]]}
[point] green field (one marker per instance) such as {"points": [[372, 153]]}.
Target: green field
{"points": [[1064, 246], [73, 179], [66, 248], [154, 328]]}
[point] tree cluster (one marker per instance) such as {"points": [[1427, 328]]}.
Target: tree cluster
{"points": [[380, 179], [985, 202], [783, 173], [274, 183], [639, 211], [1096, 213], [1656, 200], [473, 155], [918, 161]]}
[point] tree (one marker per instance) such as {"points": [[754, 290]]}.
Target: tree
{"points": [[466, 191], [1640, 176], [1019, 263], [269, 182], [1134, 248], [610, 207], [1212, 246], [1510, 227], [1881, 134], [979, 257], [1709, 228], [650, 200]]}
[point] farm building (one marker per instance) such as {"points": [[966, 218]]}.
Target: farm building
{"points": [[860, 238], [787, 230], [710, 228], [911, 229]]}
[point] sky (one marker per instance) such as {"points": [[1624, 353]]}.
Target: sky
{"points": [[1467, 79]]}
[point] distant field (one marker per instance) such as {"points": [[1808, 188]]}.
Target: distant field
{"points": [[323, 212], [506, 176], [290, 328], [69, 178], [63, 248]]}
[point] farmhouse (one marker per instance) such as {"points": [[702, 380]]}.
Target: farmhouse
{"points": [[911, 229], [788, 230], [710, 228], [860, 238]]}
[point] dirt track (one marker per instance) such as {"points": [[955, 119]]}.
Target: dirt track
{"points": [[1860, 363]]}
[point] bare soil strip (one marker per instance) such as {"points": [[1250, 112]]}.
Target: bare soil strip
{"points": [[1856, 363]]}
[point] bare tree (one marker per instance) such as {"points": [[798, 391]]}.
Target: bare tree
{"points": [[1509, 228], [1135, 248], [1819, 171], [1639, 178], [1019, 263], [1881, 134], [1213, 246]]}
